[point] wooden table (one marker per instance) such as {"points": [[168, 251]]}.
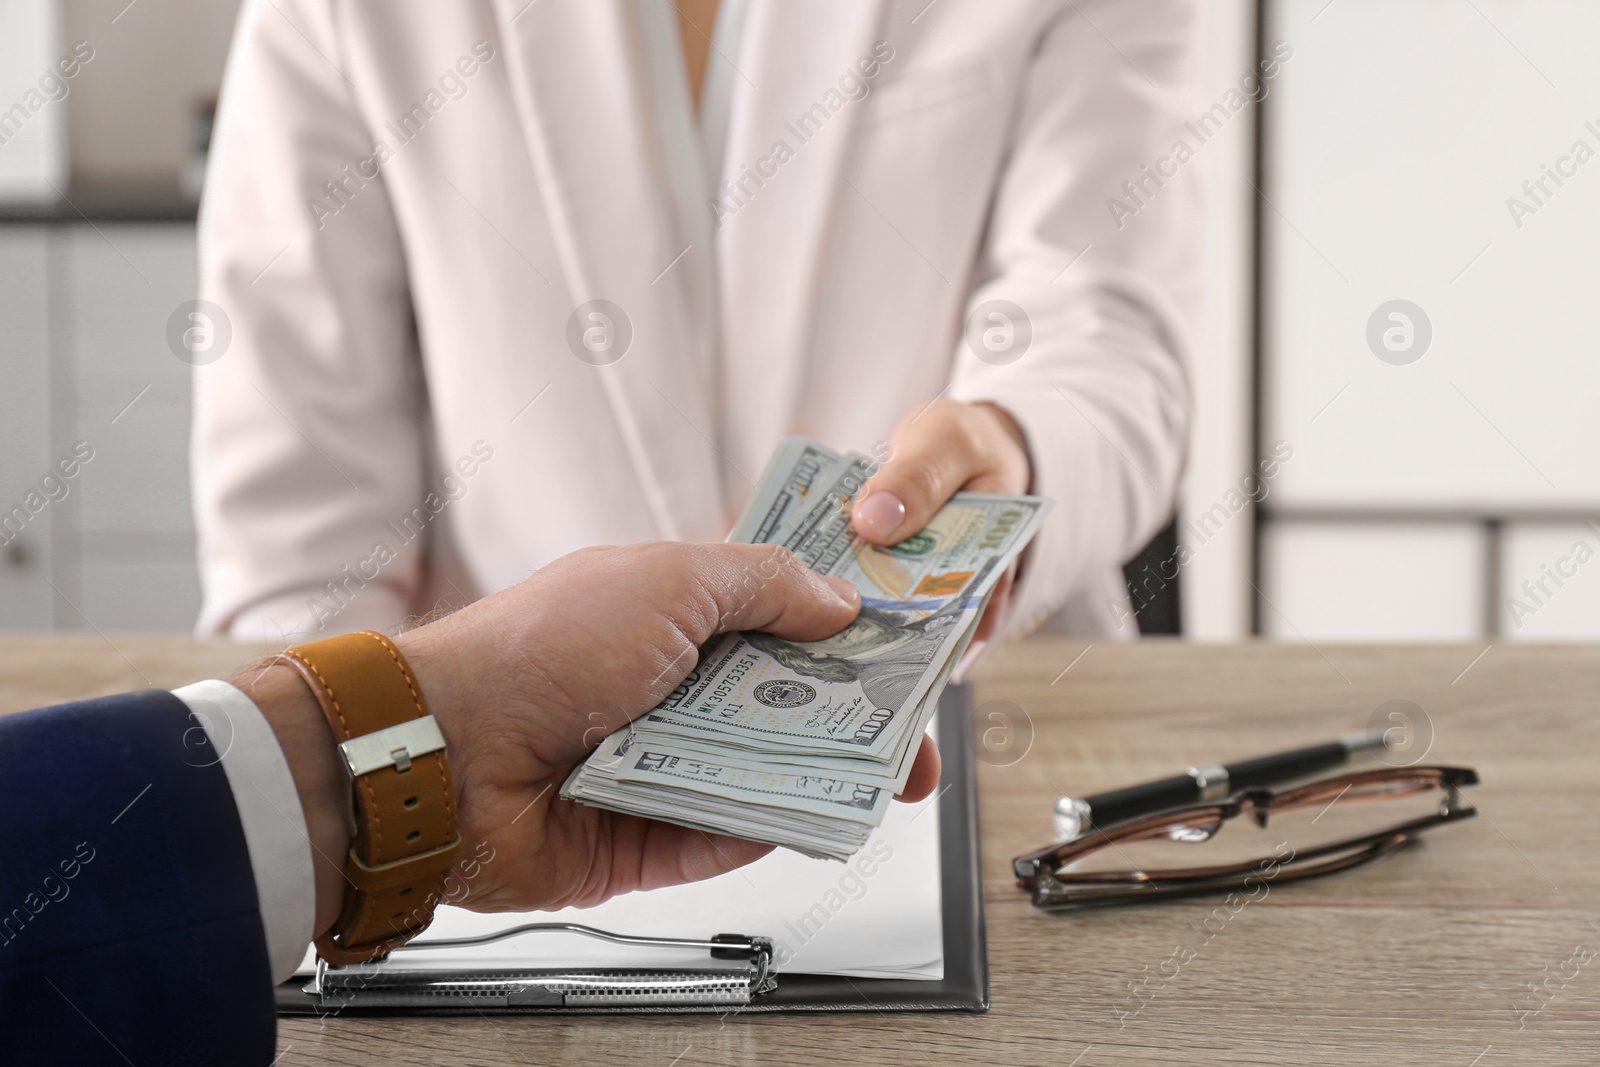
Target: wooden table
{"points": [[1431, 956]]}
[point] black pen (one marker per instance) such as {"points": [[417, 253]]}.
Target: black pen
{"points": [[1076, 815]]}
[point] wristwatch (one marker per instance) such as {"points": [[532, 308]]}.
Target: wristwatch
{"points": [[402, 798]]}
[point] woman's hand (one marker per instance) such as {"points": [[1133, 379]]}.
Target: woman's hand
{"points": [[946, 447]]}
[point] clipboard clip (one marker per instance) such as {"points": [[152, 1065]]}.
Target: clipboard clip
{"points": [[381, 983]]}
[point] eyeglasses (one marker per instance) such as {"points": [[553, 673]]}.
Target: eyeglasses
{"points": [[1321, 827]]}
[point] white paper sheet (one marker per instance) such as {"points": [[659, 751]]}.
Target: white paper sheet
{"points": [[877, 916]]}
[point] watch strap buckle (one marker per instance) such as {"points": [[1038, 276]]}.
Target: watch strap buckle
{"points": [[393, 746]]}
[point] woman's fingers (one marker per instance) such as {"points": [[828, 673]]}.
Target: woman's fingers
{"points": [[924, 772], [935, 453], [948, 446]]}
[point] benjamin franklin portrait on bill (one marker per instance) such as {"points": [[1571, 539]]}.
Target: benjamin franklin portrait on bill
{"points": [[886, 652]]}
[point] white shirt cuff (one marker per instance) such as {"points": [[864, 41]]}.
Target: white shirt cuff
{"points": [[269, 810]]}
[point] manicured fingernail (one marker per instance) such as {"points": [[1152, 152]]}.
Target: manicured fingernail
{"points": [[844, 590], [879, 516]]}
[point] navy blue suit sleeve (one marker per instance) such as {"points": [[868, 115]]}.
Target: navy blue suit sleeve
{"points": [[129, 925]]}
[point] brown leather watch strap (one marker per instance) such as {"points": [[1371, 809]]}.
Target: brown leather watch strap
{"points": [[404, 801]]}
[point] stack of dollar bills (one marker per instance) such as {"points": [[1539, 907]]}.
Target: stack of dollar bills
{"points": [[804, 743]]}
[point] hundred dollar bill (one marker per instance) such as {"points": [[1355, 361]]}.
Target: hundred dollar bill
{"points": [[798, 469], [827, 520], [856, 693], [863, 772], [749, 785], [802, 744], [819, 818], [892, 776]]}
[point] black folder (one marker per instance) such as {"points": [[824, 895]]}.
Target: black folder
{"points": [[964, 987]]}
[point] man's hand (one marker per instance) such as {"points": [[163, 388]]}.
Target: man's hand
{"points": [[946, 447], [525, 683]]}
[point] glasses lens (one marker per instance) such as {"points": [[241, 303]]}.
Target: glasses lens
{"points": [[1321, 818]]}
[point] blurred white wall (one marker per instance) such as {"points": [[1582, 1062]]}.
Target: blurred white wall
{"points": [[1433, 197], [131, 110], [94, 406], [33, 160]]}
